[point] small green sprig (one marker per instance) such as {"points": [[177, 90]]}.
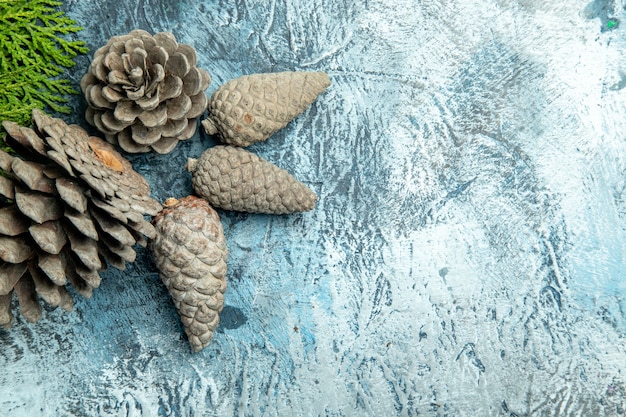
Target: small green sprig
{"points": [[33, 55]]}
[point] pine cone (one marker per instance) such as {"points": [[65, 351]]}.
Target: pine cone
{"points": [[190, 252], [236, 179], [145, 92], [251, 108], [68, 202]]}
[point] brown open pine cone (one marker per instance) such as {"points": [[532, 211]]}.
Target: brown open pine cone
{"points": [[145, 92], [68, 204]]}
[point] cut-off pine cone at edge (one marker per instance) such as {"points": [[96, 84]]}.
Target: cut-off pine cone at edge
{"points": [[69, 204]]}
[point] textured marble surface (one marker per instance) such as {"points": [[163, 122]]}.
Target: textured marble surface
{"points": [[468, 253]]}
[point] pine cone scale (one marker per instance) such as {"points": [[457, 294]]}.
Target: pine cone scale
{"points": [[30, 308], [145, 102], [14, 250], [177, 64], [31, 174], [6, 318], [125, 252], [198, 105], [172, 87], [32, 140], [84, 223], [110, 123], [137, 57], [91, 278], [194, 82], [158, 56], [114, 229], [85, 248], [54, 267], [111, 94], [12, 223], [156, 118], [167, 41], [111, 211], [99, 72], [190, 54], [95, 98], [174, 127], [38, 207], [9, 275], [7, 188], [144, 135], [5, 160], [143, 227], [21, 139], [178, 107], [78, 283], [113, 62], [44, 287], [49, 236], [126, 112], [61, 160]]}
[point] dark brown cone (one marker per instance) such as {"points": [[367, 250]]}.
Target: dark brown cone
{"points": [[69, 203]]}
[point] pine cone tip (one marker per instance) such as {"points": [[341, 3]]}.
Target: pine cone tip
{"points": [[209, 127], [170, 202], [191, 165]]}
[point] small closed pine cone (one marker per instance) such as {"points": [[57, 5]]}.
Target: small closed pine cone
{"points": [[68, 203], [251, 108], [236, 179], [145, 92], [190, 253]]}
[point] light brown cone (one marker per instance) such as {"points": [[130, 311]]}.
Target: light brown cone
{"points": [[190, 253], [236, 179], [145, 92], [68, 203], [251, 108]]}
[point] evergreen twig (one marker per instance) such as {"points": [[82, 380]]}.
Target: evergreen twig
{"points": [[33, 55]]}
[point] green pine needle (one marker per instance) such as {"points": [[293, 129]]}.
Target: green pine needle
{"points": [[33, 55]]}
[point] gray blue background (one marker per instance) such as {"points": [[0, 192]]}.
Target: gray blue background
{"points": [[467, 254]]}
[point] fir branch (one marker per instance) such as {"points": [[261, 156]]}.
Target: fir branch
{"points": [[33, 56]]}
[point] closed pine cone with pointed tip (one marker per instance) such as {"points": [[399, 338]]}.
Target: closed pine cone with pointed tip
{"points": [[145, 92], [236, 179], [251, 108], [68, 203], [190, 253]]}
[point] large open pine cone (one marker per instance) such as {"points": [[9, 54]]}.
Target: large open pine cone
{"points": [[68, 202], [145, 92]]}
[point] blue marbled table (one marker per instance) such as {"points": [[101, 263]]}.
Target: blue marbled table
{"points": [[467, 256]]}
